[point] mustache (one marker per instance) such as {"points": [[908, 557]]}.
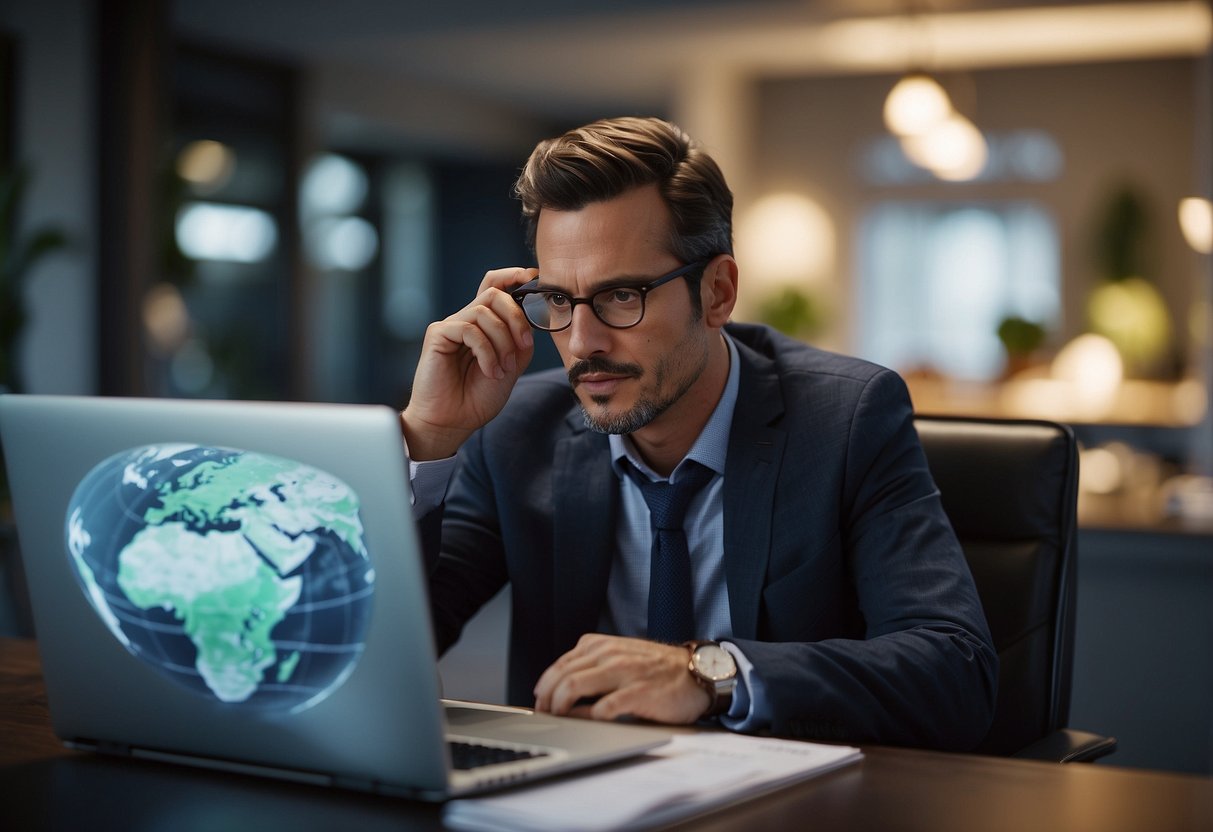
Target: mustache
{"points": [[600, 365]]}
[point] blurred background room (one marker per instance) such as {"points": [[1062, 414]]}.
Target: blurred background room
{"points": [[1007, 201]]}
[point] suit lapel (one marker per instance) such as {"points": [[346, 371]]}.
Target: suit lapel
{"points": [[752, 468], [585, 498], [584, 537]]}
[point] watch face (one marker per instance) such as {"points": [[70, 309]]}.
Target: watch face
{"points": [[714, 662]]}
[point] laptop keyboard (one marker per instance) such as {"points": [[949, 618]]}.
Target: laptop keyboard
{"points": [[467, 755]]}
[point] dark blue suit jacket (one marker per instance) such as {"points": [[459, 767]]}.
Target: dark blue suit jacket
{"points": [[847, 588]]}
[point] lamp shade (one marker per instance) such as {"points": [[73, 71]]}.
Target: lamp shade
{"points": [[916, 104], [954, 149], [1196, 222]]}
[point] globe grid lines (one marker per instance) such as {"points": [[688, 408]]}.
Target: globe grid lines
{"points": [[299, 658]]}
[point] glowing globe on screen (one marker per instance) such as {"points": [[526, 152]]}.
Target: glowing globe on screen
{"points": [[241, 576]]}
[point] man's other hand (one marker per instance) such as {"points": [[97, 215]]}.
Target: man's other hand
{"points": [[469, 364], [622, 677]]}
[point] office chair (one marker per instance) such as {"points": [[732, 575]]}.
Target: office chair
{"points": [[1010, 489]]}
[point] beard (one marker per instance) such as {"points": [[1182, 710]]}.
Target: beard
{"points": [[641, 413], [651, 403]]}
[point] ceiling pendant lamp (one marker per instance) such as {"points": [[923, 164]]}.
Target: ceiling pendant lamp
{"points": [[953, 150], [916, 104]]}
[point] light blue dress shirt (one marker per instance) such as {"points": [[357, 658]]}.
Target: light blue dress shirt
{"points": [[626, 612]]}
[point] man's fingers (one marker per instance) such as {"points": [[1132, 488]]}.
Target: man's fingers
{"points": [[503, 281], [667, 702], [502, 332], [596, 666], [494, 308], [547, 689], [507, 279], [607, 677], [578, 688], [491, 341], [497, 343], [468, 365], [627, 701], [453, 336]]}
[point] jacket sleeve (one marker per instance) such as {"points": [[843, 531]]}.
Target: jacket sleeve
{"points": [[924, 672], [463, 549]]}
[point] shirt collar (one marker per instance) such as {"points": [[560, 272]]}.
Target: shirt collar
{"points": [[712, 445]]}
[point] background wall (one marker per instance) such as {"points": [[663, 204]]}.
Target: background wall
{"points": [[55, 127], [1115, 123], [1142, 648]]}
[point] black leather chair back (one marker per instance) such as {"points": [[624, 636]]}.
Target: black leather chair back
{"points": [[1010, 490]]}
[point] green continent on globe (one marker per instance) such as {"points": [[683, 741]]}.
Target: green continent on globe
{"points": [[226, 596], [239, 575], [278, 500], [230, 586]]}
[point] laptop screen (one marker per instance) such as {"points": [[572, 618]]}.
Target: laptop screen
{"points": [[228, 579]]}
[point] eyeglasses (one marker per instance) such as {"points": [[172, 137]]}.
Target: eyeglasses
{"points": [[619, 307]]}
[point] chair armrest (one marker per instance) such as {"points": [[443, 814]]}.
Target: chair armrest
{"points": [[1068, 746]]}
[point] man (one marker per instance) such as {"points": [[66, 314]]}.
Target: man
{"points": [[823, 575]]}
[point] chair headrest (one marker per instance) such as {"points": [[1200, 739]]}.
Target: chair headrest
{"points": [[1000, 479]]}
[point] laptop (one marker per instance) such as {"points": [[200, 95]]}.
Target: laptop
{"points": [[240, 586]]}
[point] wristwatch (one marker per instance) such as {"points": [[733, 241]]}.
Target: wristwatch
{"points": [[713, 669]]}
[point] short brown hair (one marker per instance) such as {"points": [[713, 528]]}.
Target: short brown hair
{"points": [[602, 160]]}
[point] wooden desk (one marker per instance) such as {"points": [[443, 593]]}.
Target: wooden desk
{"points": [[45, 786]]}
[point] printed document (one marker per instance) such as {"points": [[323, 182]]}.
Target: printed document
{"points": [[688, 776]]}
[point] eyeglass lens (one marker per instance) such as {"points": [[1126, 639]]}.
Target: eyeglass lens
{"points": [[619, 308]]}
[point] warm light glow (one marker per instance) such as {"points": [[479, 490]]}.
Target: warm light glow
{"points": [[1190, 400], [915, 105], [1080, 32], [1190, 497], [998, 37], [1134, 317], [1100, 471], [953, 150], [206, 164], [1196, 221], [796, 43], [1091, 368], [165, 317], [786, 238]]}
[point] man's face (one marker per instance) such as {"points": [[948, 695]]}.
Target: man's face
{"points": [[625, 379]]}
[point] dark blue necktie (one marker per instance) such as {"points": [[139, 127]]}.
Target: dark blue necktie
{"points": [[671, 607]]}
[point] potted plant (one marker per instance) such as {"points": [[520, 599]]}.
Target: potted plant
{"points": [[1020, 338]]}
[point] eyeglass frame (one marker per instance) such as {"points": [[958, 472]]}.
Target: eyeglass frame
{"points": [[530, 288]]}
